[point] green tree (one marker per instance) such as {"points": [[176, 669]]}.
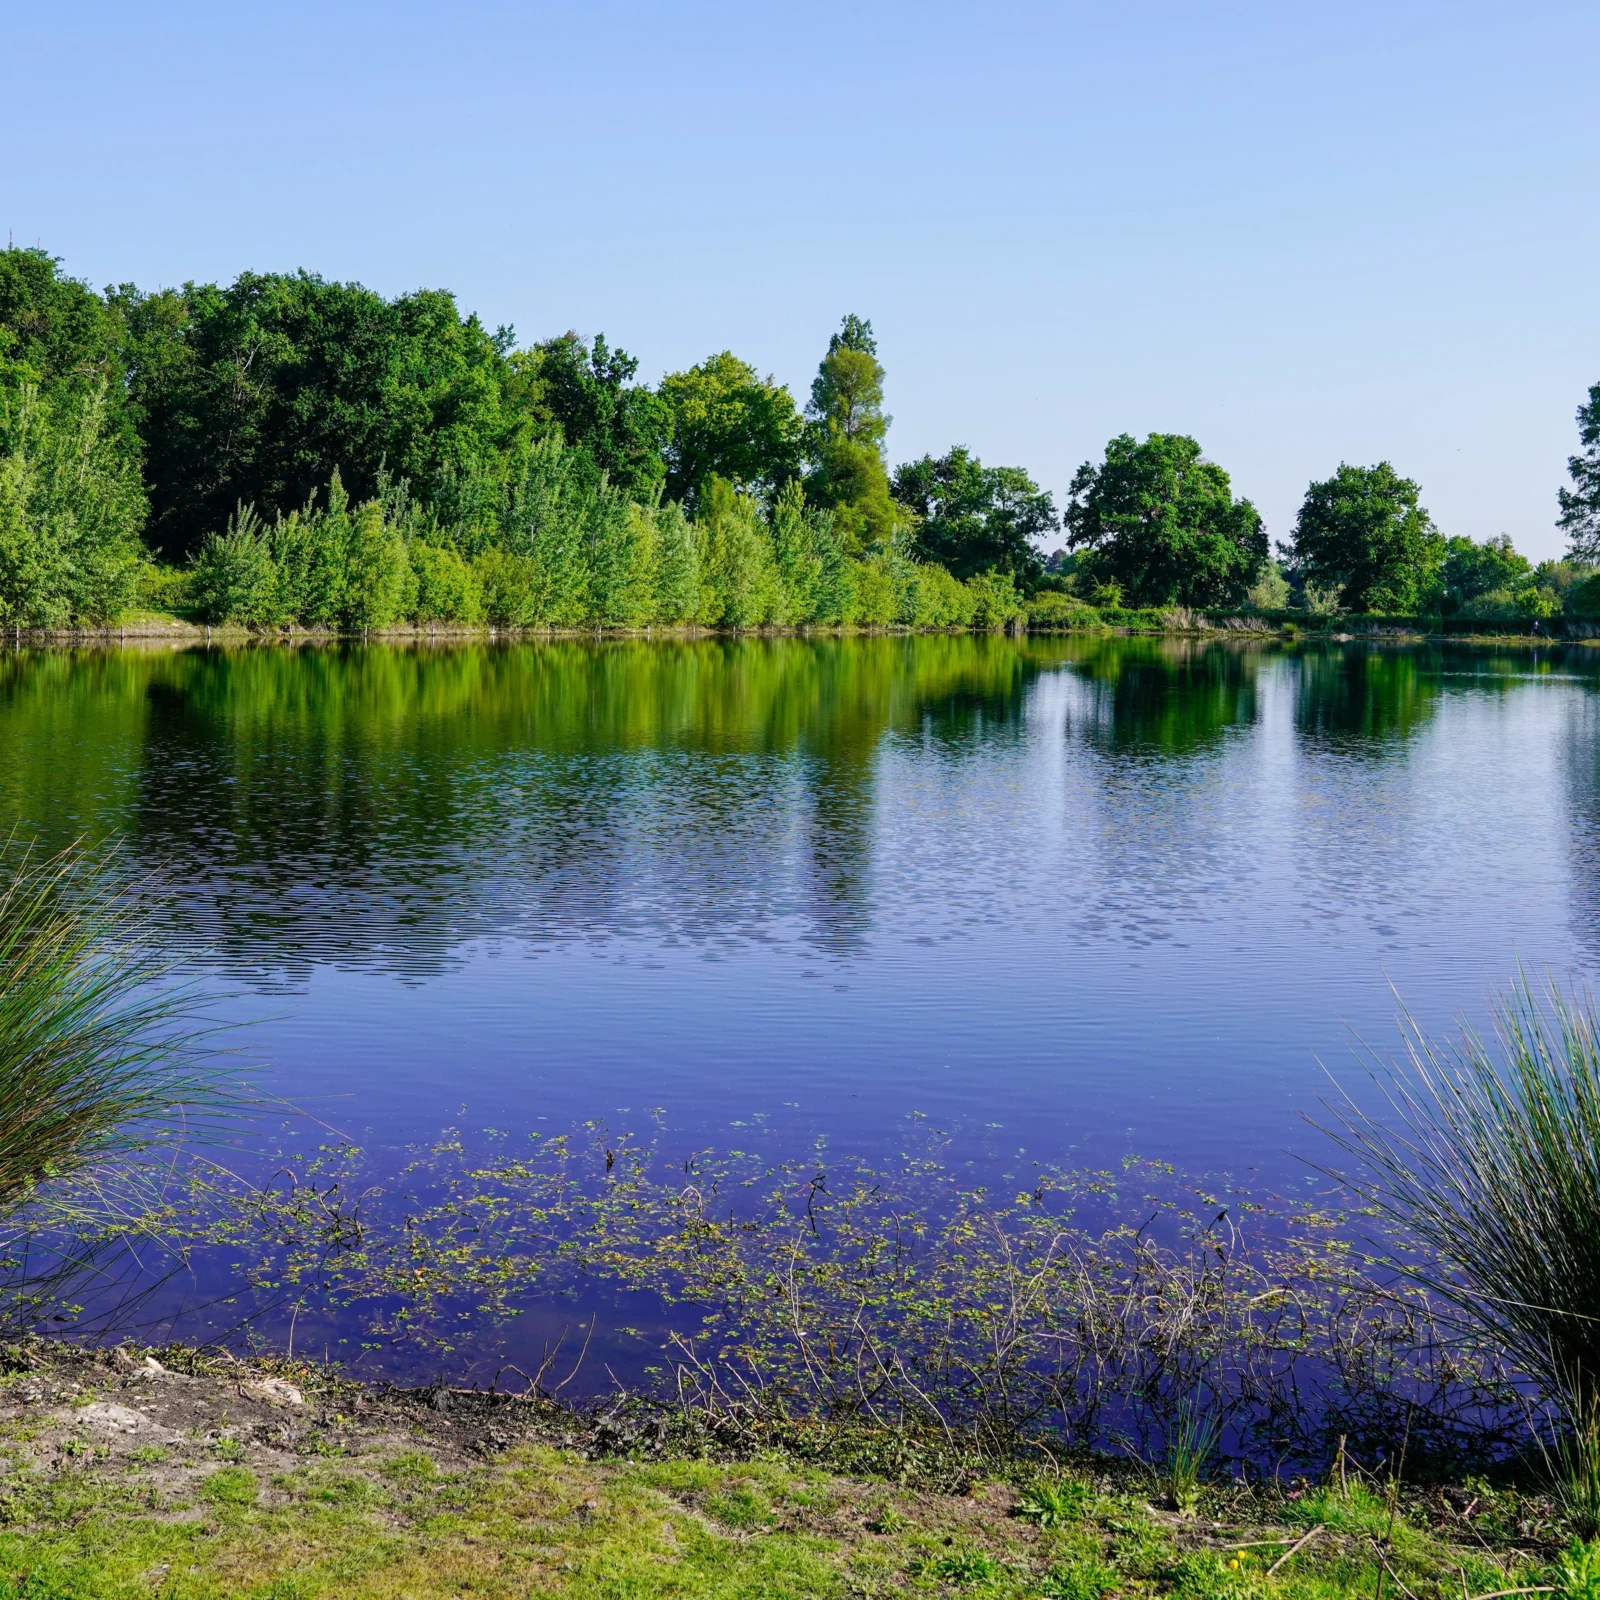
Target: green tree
{"points": [[973, 518], [739, 581], [844, 440], [71, 507], [621, 428], [729, 423], [1472, 569], [1364, 533], [1580, 505], [56, 332], [1161, 523], [256, 393], [677, 574]]}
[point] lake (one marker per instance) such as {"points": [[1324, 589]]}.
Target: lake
{"points": [[1072, 897]]}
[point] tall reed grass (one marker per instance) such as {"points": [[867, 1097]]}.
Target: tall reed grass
{"points": [[99, 1053], [1486, 1153]]}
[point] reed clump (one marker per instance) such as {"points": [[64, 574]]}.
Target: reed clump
{"points": [[1486, 1155], [98, 1053]]}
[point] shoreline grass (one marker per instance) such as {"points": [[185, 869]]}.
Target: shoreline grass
{"points": [[195, 1477]]}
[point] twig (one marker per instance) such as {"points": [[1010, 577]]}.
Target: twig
{"points": [[1305, 1538], [1384, 1567]]}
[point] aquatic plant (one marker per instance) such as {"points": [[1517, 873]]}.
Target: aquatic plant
{"points": [[825, 1296], [1486, 1153], [1190, 1446], [97, 1054]]}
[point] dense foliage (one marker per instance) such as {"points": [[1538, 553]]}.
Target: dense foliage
{"points": [[1580, 505], [1161, 522], [300, 451], [563, 550], [972, 518], [1364, 533]]}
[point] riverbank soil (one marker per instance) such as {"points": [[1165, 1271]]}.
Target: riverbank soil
{"points": [[170, 1474]]}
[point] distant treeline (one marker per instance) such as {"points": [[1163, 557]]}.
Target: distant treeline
{"points": [[286, 450]]}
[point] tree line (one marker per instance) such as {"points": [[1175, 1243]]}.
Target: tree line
{"points": [[287, 449]]}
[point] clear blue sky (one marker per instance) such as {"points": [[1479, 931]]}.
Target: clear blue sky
{"points": [[1301, 232]]}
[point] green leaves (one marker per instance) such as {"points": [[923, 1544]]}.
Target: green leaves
{"points": [[728, 422], [1363, 533], [972, 518], [71, 508], [1580, 505], [1161, 522]]}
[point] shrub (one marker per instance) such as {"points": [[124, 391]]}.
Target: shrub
{"points": [[71, 507], [448, 590], [510, 588], [163, 588], [234, 577], [938, 599], [1052, 609], [380, 586], [997, 600], [874, 604]]}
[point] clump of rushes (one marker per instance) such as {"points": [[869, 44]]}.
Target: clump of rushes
{"points": [[1190, 1447], [1487, 1155], [97, 1052]]}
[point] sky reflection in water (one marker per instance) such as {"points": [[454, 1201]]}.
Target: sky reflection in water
{"points": [[1080, 896]]}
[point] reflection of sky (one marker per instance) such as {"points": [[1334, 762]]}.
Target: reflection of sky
{"points": [[1105, 904]]}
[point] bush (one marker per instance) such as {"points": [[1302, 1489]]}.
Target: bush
{"points": [[1052, 609], [380, 586], [510, 588], [234, 577], [938, 599], [71, 507], [448, 590], [875, 604], [997, 600], [162, 588]]}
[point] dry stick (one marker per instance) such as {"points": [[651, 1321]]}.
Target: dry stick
{"points": [[1383, 1567], [1304, 1538]]}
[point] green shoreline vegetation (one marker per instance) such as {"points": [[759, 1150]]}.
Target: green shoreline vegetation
{"points": [[863, 1381], [292, 453], [899, 1383]]}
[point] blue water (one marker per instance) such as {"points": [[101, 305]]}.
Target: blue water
{"points": [[1070, 898]]}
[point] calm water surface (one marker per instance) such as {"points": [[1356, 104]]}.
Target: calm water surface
{"points": [[1077, 896]]}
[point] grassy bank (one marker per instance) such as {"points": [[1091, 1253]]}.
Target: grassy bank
{"points": [[196, 1477]]}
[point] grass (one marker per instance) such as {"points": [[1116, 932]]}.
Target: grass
{"points": [[1487, 1157], [1189, 1452], [544, 1522], [96, 1055]]}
